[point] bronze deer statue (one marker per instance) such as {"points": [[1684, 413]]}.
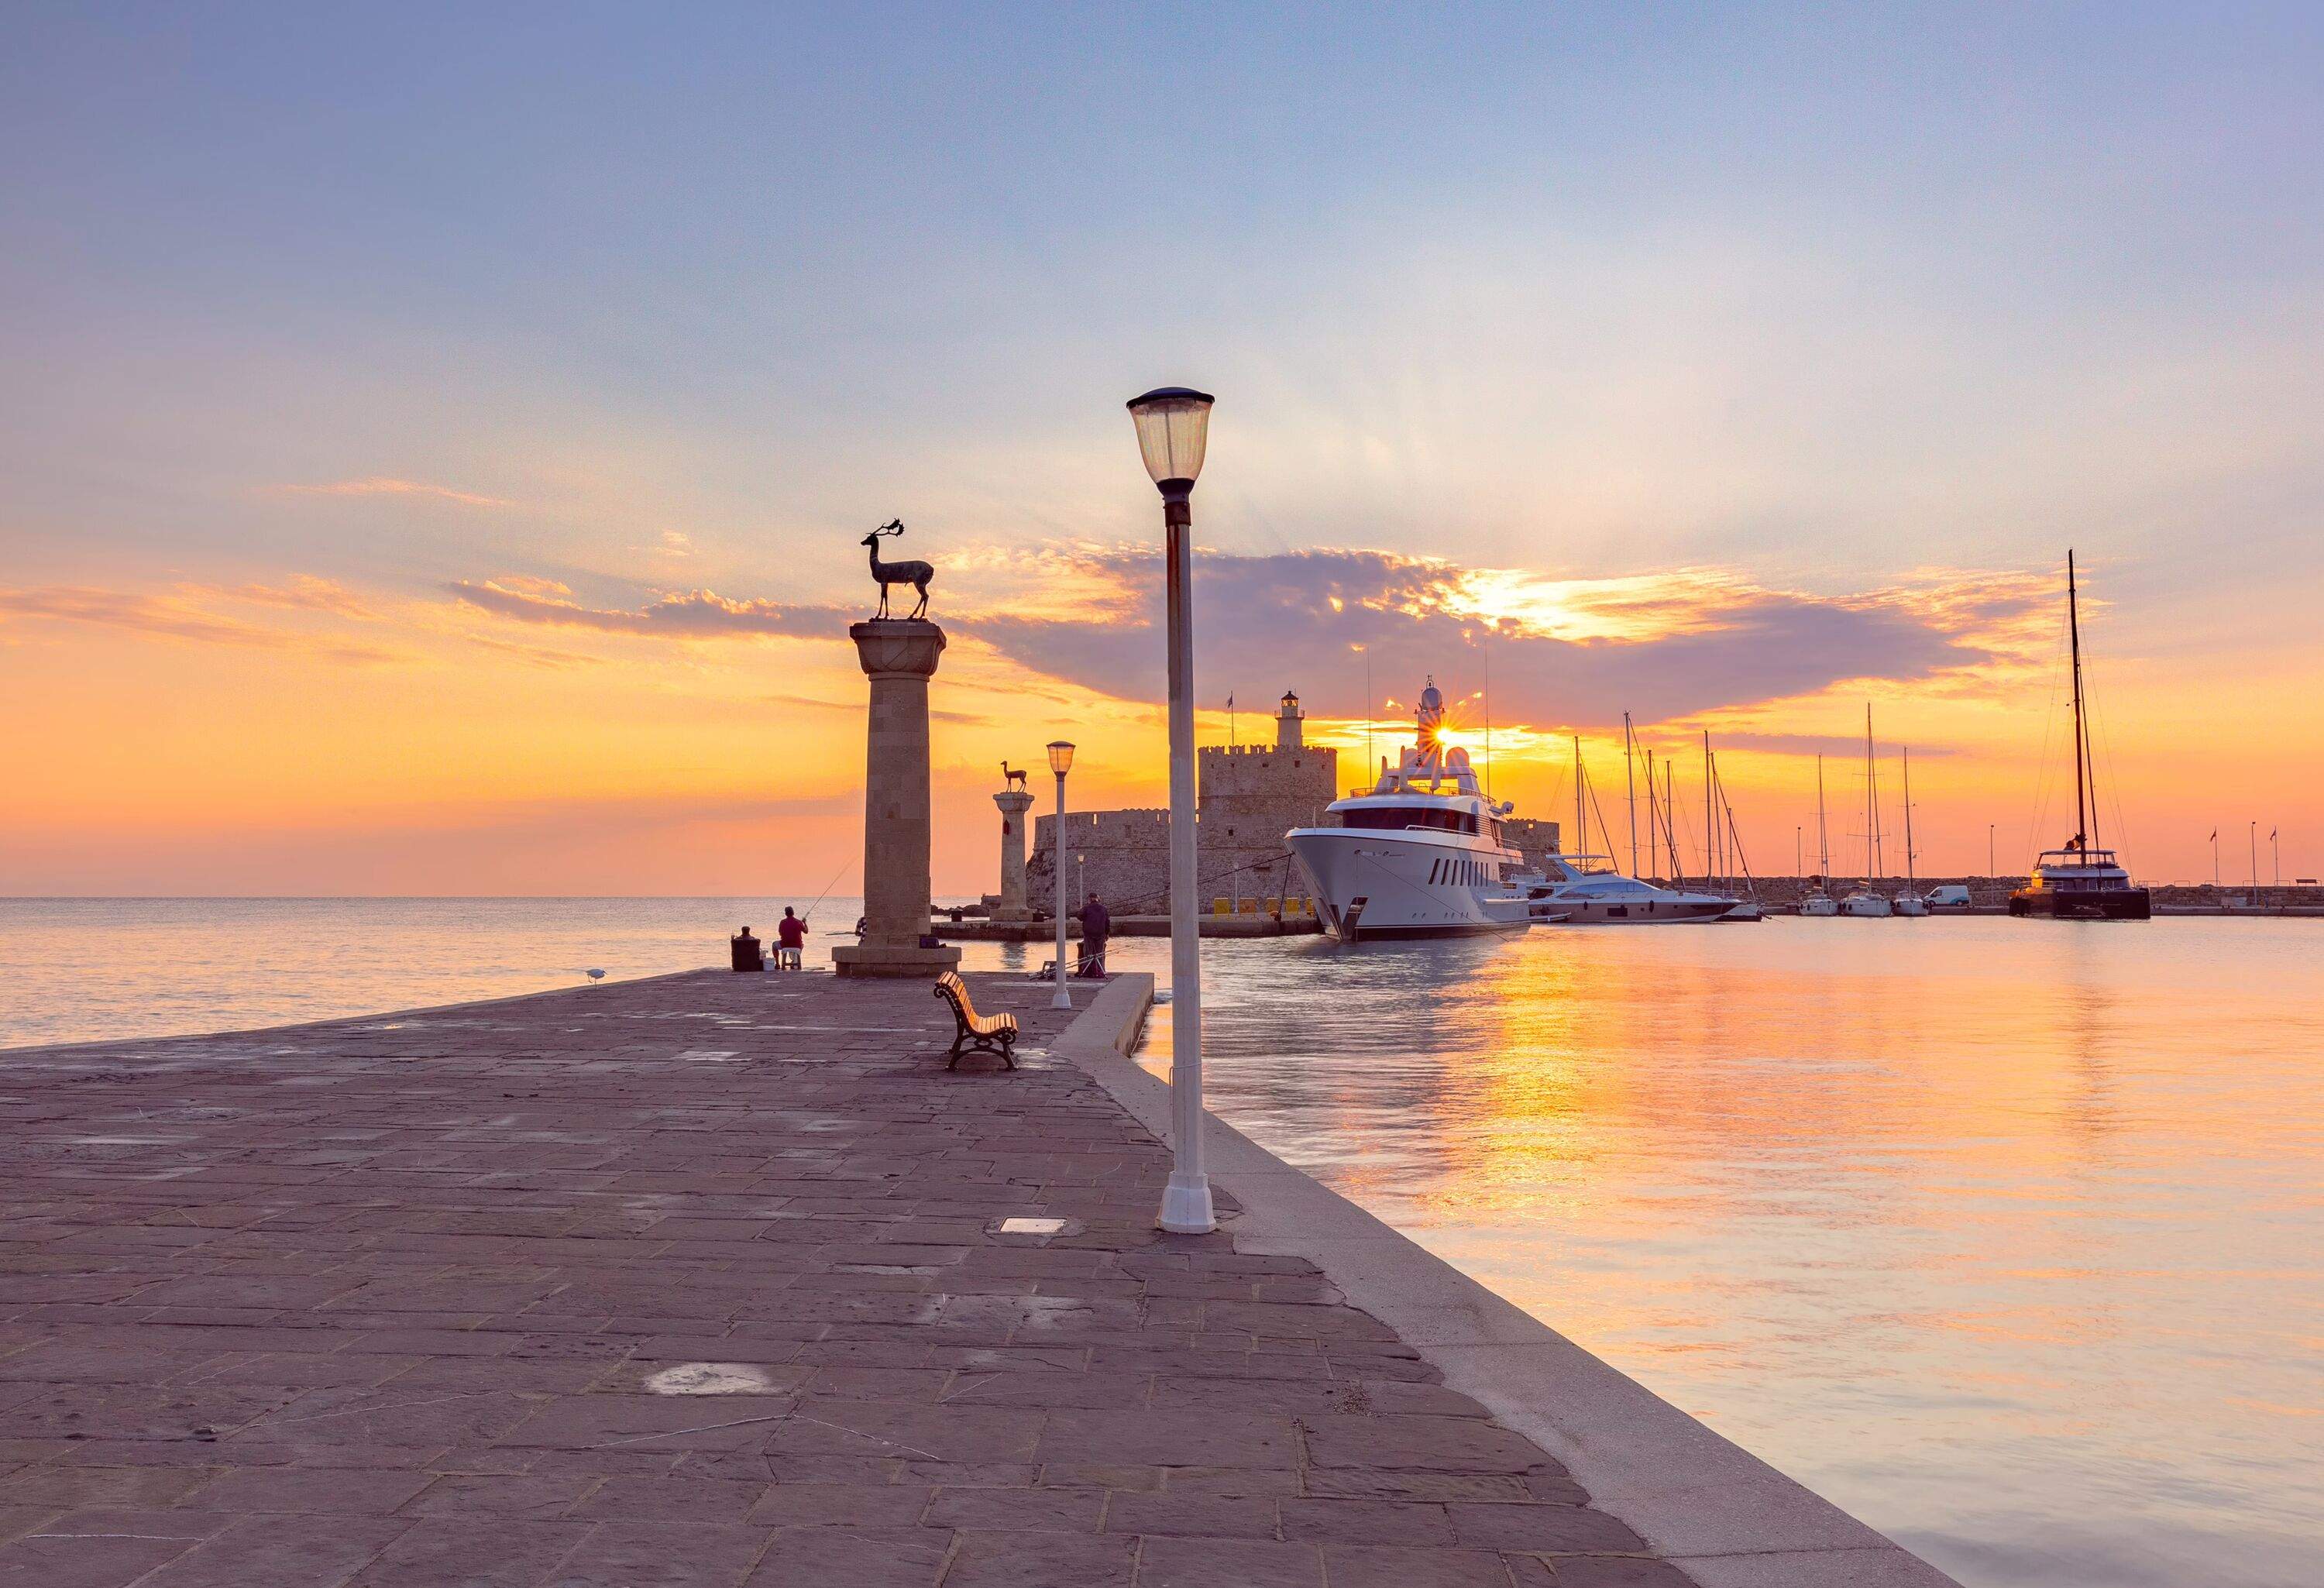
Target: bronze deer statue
{"points": [[915, 574], [1011, 776]]}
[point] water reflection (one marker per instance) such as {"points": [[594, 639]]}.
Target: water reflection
{"points": [[2003, 1235]]}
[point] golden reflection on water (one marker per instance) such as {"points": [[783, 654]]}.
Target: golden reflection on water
{"points": [[2003, 1235]]}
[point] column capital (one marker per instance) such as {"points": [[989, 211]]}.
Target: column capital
{"points": [[897, 647]]}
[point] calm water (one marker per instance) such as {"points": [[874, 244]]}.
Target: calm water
{"points": [[2005, 1235]]}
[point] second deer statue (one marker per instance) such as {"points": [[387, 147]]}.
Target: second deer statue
{"points": [[915, 574]]}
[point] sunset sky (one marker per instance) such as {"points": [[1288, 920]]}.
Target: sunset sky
{"points": [[434, 443]]}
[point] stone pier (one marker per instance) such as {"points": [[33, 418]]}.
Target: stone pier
{"points": [[899, 656], [1014, 806], [726, 1281]]}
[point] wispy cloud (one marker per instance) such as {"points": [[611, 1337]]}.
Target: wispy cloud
{"points": [[683, 614], [301, 592], [538, 655], [384, 485], [173, 617]]}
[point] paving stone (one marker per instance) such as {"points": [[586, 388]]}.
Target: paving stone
{"points": [[437, 1551], [1056, 1511], [660, 1497], [1595, 1571], [280, 1552], [673, 1554], [528, 1495], [1373, 1566], [41, 1561], [1450, 1444], [320, 1491], [1170, 1438], [1207, 1563], [1367, 1522], [1191, 1516], [1041, 1560], [853, 1557], [842, 1505], [1541, 1528]]}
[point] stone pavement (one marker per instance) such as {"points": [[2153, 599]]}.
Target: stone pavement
{"points": [[695, 1280]]}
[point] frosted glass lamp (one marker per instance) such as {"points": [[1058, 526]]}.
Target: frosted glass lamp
{"points": [[1171, 423]]}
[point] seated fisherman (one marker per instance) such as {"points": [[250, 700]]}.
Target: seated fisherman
{"points": [[790, 937]]}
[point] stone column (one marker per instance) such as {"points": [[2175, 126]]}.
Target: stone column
{"points": [[898, 656], [1014, 805]]}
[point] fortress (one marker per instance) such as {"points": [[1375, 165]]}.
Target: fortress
{"points": [[1247, 796]]}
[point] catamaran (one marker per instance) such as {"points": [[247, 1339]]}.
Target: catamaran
{"points": [[1420, 855], [2080, 881]]}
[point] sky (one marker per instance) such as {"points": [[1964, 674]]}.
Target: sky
{"points": [[436, 443]]}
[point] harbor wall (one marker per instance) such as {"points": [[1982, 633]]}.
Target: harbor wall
{"points": [[1247, 797]]}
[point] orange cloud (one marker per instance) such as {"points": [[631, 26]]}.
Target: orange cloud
{"points": [[688, 614], [382, 485], [171, 618]]}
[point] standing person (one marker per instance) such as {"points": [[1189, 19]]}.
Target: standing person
{"points": [[1097, 926], [790, 937]]}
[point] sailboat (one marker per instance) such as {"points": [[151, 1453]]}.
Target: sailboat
{"points": [[1727, 841], [1863, 903], [1909, 902], [2082, 881], [1816, 901]]}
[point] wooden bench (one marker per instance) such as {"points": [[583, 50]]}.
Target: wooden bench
{"points": [[974, 1032]]}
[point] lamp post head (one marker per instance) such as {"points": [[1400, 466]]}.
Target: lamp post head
{"points": [[1172, 424], [1061, 756]]}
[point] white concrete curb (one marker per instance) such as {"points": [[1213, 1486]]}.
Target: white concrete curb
{"points": [[1725, 1517]]}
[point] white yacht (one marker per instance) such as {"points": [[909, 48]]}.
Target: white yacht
{"points": [[1580, 897], [1420, 855]]}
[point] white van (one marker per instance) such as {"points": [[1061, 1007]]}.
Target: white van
{"points": [[1949, 896]]}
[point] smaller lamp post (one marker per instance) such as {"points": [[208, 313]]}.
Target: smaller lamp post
{"points": [[1061, 761]]}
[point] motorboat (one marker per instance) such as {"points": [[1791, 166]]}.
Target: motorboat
{"points": [[1418, 854], [2082, 881], [1573, 895]]}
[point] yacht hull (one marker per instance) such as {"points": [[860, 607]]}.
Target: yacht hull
{"points": [[1369, 884], [2111, 904]]}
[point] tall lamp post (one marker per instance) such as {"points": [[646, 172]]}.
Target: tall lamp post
{"points": [[1061, 761], [1172, 423]]}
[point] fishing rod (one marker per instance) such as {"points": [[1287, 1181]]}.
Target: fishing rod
{"points": [[827, 887]]}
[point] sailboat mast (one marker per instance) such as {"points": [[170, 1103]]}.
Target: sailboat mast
{"points": [[1908, 815], [1707, 830], [1580, 824], [1869, 821], [2074, 632], [1630, 788], [1823, 841]]}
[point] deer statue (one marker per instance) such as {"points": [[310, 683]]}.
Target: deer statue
{"points": [[1012, 776], [915, 574]]}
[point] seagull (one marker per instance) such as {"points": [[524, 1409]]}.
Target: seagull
{"points": [[595, 974]]}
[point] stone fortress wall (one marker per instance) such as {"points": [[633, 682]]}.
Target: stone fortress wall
{"points": [[1247, 797]]}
